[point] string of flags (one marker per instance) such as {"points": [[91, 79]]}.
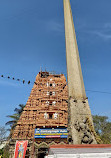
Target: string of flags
{"points": [[19, 80]]}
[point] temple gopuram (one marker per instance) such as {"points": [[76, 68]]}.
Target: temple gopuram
{"points": [[43, 121]]}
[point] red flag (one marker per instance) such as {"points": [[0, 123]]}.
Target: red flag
{"points": [[20, 149]]}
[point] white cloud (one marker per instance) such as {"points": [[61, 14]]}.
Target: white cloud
{"points": [[55, 26], [8, 83], [105, 36], [102, 31], [107, 25]]}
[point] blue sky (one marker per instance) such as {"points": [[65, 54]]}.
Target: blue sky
{"points": [[32, 35]]}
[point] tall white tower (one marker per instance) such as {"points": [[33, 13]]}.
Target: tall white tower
{"points": [[81, 130]]}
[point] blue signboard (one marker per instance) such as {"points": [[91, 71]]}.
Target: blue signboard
{"points": [[51, 133]]}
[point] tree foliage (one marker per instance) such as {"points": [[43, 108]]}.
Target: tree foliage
{"points": [[2, 134], [1, 153], [14, 118], [4, 153], [103, 128]]}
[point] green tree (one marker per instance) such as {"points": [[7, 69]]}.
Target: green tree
{"points": [[1, 153], [6, 151], [103, 128], [15, 117], [2, 134], [3, 139]]}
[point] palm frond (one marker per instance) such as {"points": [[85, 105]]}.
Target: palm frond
{"points": [[21, 105], [11, 122], [19, 110], [14, 116]]}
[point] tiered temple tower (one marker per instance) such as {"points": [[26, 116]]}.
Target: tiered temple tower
{"points": [[46, 107], [81, 130]]}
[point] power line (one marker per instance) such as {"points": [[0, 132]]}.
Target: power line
{"points": [[30, 82], [18, 79], [98, 91]]}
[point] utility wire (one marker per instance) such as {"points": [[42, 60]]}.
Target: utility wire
{"points": [[30, 82], [98, 91], [18, 79]]}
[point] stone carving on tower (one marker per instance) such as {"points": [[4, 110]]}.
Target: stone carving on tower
{"points": [[79, 112]]}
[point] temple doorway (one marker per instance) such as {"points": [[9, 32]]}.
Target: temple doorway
{"points": [[42, 152]]}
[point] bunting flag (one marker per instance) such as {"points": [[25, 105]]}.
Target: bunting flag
{"points": [[20, 149], [13, 78]]}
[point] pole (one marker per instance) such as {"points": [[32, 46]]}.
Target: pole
{"points": [[33, 140]]}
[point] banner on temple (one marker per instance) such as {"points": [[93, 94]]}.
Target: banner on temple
{"points": [[20, 149], [51, 133]]}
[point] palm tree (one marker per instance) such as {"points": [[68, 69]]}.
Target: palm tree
{"points": [[15, 117]]}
